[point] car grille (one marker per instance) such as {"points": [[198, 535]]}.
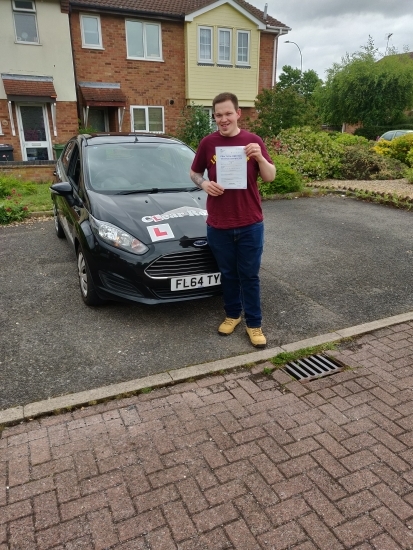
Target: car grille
{"points": [[194, 293], [182, 264]]}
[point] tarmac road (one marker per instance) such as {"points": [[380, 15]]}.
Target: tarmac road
{"points": [[329, 263]]}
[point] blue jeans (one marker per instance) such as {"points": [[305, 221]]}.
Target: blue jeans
{"points": [[238, 254]]}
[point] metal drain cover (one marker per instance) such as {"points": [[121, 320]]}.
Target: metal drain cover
{"points": [[314, 366]]}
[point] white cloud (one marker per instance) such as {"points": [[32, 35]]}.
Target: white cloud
{"points": [[325, 30]]}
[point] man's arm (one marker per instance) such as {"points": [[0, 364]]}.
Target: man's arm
{"points": [[210, 187], [267, 170]]}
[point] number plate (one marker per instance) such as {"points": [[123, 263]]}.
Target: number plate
{"points": [[196, 281]]}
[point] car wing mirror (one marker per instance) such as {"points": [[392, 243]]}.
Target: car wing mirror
{"points": [[62, 188]]}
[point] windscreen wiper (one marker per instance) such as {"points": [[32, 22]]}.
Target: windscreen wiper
{"points": [[135, 191]]}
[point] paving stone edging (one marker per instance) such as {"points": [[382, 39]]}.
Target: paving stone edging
{"points": [[48, 406]]}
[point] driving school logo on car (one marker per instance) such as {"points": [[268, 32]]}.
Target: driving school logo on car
{"points": [[180, 212]]}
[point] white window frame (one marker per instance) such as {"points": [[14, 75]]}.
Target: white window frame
{"points": [[224, 61], [145, 55], [211, 30], [238, 62], [29, 11], [1, 130], [146, 109], [98, 46]]}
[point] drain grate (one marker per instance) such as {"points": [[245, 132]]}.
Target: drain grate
{"points": [[311, 367]]}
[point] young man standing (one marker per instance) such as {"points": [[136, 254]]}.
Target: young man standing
{"points": [[235, 228]]}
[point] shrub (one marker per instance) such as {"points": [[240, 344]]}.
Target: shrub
{"points": [[349, 139], [194, 124], [11, 210], [287, 180], [361, 163], [408, 174], [409, 158], [313, 154], [400, 147]]}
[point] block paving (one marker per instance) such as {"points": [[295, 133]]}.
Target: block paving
{"points": [[240, 460]]}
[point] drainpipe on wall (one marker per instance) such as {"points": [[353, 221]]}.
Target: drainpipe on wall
{"points": [[280, 32], [13, 129]]}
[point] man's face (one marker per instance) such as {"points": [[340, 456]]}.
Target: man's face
{"points": [[226, 118]]}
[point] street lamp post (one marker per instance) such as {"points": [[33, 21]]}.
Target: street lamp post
{"points": [[301, 55]]}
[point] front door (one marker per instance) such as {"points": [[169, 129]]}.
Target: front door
{"points": [[34, 132]]}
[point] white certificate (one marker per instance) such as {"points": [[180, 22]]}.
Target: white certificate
{"points": [[231, 167]]}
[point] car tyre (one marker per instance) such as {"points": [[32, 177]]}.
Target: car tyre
{"points": [[57, 225], [87, 288]]}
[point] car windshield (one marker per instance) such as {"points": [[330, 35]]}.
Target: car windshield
{"points": [[139, 167]]}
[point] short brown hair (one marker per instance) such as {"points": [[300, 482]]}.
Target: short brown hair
{"points": [[225, 96]]}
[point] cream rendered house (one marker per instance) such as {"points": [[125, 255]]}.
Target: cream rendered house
{"points": [[230, 46], [37, 89]]}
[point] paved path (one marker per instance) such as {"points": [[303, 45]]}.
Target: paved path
{"points": [[241, 460]]}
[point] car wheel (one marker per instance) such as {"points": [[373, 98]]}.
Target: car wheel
{"points": [[87, 288], [57, 225]]}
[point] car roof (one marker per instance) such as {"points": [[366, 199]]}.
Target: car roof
{"points": [[117, 137]]}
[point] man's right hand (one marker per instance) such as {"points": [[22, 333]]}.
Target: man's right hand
{"points": [[212, 188]]}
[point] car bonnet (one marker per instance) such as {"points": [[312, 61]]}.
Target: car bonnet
{"points": [[154, 217]]}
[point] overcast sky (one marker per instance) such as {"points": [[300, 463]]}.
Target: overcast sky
{"points": [[325, 30]]}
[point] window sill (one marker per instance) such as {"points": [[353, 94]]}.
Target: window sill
{"points": [[243, 66], [225, 65], [99, 48], [205, 64], [145, 59], [20, 42]]}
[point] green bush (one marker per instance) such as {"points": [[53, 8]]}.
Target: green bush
{"points": [[348, 139], [400, 147], [409, 158], [287, 180], [408, 174], [194, 124], [11, 209], [313, 154], [362, 163]]}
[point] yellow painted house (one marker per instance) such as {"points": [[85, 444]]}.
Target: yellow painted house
{"points": [[230, 46]]}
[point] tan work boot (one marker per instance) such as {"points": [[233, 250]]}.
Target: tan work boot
{"points": [[257, 338], [228, 326]]}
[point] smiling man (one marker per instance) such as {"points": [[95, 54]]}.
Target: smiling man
{"points": [[235, 227]]}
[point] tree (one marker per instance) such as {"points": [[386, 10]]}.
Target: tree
{"points": [[194, 124], [367, 89], [288, 104], [304, 83]]}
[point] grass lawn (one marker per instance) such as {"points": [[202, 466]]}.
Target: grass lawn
{"points": [[18, 199]]}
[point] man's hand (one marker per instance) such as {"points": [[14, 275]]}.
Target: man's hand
{"points": [[267, 170], [211, 187]]}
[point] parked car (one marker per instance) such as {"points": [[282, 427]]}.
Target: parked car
{"points": [[392, 134], [134, 218]]}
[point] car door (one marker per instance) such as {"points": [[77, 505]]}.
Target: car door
{"points": [[70, 206]]}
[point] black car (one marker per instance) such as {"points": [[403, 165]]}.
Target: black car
{"points": [[135, 219]]}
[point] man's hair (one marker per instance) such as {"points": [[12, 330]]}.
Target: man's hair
{"points": [[225, 96]]}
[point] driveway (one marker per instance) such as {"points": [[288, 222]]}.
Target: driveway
{"points": [[329, 263]]}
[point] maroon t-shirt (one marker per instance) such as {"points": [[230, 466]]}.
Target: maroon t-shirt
{"points": [[235, 207]]}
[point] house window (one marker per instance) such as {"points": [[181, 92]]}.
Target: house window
{"points": [[25, 22], [224, 46], [91, 31], [147, 119], [143, 40], [205, 44], [243, 48]]}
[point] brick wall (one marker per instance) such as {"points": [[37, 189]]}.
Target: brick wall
{"points": [[143, 82], [28, 172], [66, 123], [266, 61]]}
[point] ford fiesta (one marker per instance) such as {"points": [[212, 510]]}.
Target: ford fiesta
{"points": [[135, 220]]}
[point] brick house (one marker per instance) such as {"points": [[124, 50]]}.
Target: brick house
{"points": [[37, 89], [138, 64]]}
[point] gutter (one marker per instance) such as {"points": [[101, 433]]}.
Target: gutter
{"points": [[123, 11]]}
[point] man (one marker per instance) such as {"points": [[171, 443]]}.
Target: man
{"points": [[235, 228]]}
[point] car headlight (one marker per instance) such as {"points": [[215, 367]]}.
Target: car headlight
{"points": [[117, 237]]}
